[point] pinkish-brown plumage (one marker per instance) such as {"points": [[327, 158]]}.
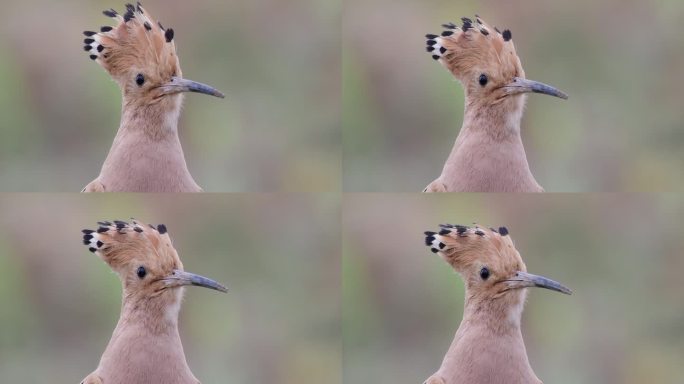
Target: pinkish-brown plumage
{"points": [[488, 347], [488, 155], [140, 55], [145, 346]]}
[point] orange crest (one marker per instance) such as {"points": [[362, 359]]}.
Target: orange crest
{"points": [[466, 249], [475, 48], [137, 44], [121, 245]]}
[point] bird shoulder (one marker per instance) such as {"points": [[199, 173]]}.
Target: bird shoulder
{"points": [[434, 380], [435, 186], [94, 186], [92, 379]]}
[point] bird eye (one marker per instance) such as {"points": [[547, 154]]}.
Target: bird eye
{"points": [[141, 272], [484, 273], [483, 79], [140, 79]]}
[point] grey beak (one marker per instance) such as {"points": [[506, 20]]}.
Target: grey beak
{"points": [[520, 85], [524, 279], [179, 278], [178, 84]]}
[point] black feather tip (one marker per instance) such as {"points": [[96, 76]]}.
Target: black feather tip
{"points": [[169, 35]]}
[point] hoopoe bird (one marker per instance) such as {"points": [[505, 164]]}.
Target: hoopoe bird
{"points": [[145, 346], [140, 55], [488, 347], [488, 155]]}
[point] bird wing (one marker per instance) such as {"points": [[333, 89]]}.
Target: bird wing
{"points": [[94, 186], [434, 379], [435, 186], [92, 379]]}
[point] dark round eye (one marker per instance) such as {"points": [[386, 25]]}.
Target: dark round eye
{"points": [[483, 79], [140, 79], [484, 273], [141, 272]]}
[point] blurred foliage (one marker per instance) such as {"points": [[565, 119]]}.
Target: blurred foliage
{"points": [[277, 61], [620, 61], [621, 255], [278, 256]]}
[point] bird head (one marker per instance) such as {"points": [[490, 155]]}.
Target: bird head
{"points": [[488, 262], [145, 260], [484, 60], [140, 55]]}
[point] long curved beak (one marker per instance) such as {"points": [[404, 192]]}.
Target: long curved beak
{"points": [[520, 85], [177, 85], [180, 278], [524, 280]]}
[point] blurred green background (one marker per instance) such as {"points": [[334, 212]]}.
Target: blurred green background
{"points": [[279, 256], [621, 255], [277, 61], [619, 60]]}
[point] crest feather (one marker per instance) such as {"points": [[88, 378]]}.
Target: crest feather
{"points": [[118, 242], [460, 242], [136, 41], [473, 45]]}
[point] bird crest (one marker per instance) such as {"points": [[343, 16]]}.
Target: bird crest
{"points": [[488, 262], [475, 48], [466, 248], [137, 43], [121, 244]]}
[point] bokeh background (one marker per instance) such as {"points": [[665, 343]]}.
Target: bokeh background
{"points": [[619, 60], [279, 256], [277, 61], [621, 255]]}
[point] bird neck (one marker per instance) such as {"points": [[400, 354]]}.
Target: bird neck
{"points": [[157, 121], [145, 339], [500, 122], [157, 315], [146, 154], [488, 346], [500, 315], [488, 154]]}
